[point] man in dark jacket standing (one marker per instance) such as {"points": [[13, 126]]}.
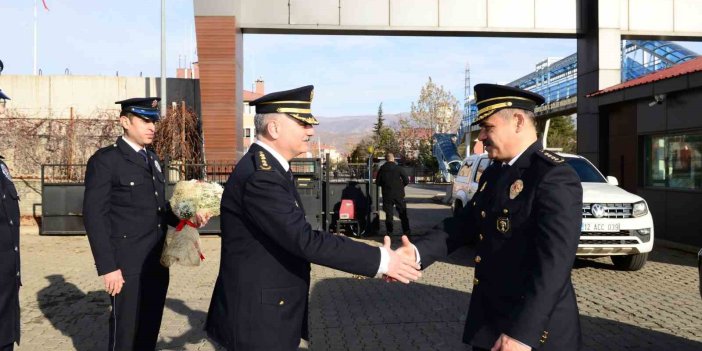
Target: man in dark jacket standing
{"points": [[10, 281], [125, 214], [393, 181], [526, 219], [260, 298]]}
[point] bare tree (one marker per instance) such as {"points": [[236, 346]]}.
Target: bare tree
{"points": [[436, 109], [31, 141], [178, 136]]}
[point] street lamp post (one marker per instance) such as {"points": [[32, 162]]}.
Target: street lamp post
{"points": [[164, 97]]}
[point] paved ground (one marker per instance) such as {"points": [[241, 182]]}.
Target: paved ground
{"points": [[657, 308]]}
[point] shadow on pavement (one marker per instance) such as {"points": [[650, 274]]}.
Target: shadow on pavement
{"points": [[83, 317], [75, 313], [347, 314], [672, 256], [196, 319]]}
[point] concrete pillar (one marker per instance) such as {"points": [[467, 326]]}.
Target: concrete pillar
{"points": [[220, 65], [599, 65]]}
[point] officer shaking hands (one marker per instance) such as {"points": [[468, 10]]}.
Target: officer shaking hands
{"points": [[10, 279], [525, 218], [125, 214], [260, 299]]}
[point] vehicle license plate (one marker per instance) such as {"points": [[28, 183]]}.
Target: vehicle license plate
{"points": [[600, 227]]}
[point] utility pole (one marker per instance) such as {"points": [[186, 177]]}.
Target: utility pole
{"points": [[164, 97], [34, 70]]}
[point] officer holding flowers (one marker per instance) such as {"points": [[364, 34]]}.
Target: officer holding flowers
{"points": [[125, 214]]}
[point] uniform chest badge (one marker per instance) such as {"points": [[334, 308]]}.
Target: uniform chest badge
{"points": [[503, 224], [516, 188], [6, 172], [158, 166]]}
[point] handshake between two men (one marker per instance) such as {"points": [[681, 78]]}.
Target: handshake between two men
{"points": [[403, 265]]}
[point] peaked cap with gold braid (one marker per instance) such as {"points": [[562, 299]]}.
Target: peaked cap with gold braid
{"points": [[491, 98], [295, 102]]}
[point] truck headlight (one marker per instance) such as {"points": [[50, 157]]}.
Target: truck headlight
{"points": [[639, 209]]}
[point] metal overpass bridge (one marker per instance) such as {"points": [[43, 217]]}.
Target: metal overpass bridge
{"points": [[556, 79]]}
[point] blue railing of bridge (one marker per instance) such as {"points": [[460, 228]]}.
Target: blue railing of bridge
{"points": [[558, 80]]}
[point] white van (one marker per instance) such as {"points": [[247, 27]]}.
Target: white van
{"points": [[616, 223]]}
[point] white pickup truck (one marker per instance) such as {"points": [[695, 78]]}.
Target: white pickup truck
{"points": [[616, 223]]}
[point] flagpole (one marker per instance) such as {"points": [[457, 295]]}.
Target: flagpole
{"points": [[164, 100], [34, 71]]}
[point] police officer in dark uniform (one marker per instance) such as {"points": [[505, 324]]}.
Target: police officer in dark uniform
{"points": [[393, 181], [10, 281], [526, 219], [125, 214], [260, 301]]}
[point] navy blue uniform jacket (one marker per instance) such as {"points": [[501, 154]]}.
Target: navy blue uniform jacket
{"points": [[527, 237], [125, 210], [261, 294], [9, 261]]}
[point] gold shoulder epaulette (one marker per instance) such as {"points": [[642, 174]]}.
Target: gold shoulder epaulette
{"points": [[262, 162], [551, 156]]}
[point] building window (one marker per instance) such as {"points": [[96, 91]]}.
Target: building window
{"points": [[247, 132], [673, 161]]}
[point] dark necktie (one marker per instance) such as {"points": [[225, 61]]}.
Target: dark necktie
{"points": [[290, 175], [142, 152]]}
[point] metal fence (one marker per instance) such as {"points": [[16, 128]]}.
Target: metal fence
{"points": [[63, 186]]}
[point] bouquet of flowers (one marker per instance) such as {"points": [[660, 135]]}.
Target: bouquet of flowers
{"points": [[183, 242]]}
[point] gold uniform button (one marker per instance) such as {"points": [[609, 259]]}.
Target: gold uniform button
{"points": [[159, 225], [131, 183], [475, 281], [505, 211], [156, 193], [281, 302], [473, 203], [482, 214], [478, 259], [481, 237]]}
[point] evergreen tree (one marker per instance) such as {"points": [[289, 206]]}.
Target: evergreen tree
{"points": [[378, 126], [562, 134]]}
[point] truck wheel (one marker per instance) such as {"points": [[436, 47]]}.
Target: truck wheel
{"points": [[630, 262]]}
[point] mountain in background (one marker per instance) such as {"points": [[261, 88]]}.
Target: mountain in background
{"points": [[345, 132]]}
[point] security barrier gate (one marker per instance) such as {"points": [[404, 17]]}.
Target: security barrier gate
{"points": [[321, 192]]}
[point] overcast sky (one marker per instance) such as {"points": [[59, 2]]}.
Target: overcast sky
{"points": [[351, 74]]}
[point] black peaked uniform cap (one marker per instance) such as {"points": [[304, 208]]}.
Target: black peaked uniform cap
{"points": [[145, 108], [491, 98], [3, 96], [295, 102]]}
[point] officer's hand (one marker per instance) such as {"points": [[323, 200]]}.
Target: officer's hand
{"points": [[401, 267], [408, 251], [113, 282], [201, 219], [505, 343]]}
